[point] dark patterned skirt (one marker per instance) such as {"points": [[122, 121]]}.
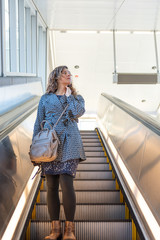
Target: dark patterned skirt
{"points": [[57, 167]]}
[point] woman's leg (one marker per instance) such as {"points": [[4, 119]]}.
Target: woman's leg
{"points": [[53, 201], [69, 197]]}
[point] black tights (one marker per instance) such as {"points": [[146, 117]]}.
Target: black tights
{"points": [[68, 194]]}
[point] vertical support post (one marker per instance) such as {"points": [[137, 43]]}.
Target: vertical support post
{"points": [[13, 43], [46, 55], [28, 39], [40, 47], [115, 75], [22, 54], [2, 41], [37, 49], [156, 53], [0, 38], [33, 43], [44, 59]]}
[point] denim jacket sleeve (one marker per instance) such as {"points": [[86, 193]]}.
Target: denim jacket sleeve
{"points": [[40, 117], [76, 106]]}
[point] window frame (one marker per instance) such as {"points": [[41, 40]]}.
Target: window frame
{"points": [[1, 19]]}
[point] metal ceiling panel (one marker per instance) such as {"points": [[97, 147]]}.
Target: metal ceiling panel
{"points": [[138, 15], [100, 14]]}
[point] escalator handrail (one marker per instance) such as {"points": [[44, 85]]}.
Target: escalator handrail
{"points": [[139, 115], [14, 117]]}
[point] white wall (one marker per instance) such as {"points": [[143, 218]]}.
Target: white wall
{"points": [[93, 52]]}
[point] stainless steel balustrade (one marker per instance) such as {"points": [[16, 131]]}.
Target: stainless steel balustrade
{"points": [[17, 190], [133, 140]]}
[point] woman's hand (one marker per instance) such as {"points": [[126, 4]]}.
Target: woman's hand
{"points": [[68, 91]]}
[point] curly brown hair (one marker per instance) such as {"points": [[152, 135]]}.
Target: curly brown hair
{"points": [[53, 81]]}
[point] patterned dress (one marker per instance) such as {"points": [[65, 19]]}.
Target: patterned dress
{"points": [[57, 167]]}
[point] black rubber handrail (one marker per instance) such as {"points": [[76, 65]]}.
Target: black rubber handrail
{"points": [[139, 115], [14, 117]]}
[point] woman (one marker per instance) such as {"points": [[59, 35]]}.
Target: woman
{"points": [[60, 92]]}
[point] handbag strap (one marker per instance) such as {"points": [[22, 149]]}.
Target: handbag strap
{"points": [[61, 116], [44, 122]]}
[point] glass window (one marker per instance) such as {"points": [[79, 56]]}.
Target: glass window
{"points": [[7, 35], [22, 58], [40, 47], [34, 43], [44, 60], [25, 37], [28, 39], [17, 35], [1, 41]]}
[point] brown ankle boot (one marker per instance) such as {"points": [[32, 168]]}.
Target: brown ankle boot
{"points": [[55, 231], [69, 233]]}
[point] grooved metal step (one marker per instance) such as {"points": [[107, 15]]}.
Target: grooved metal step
{"points": [[90, 140], [93, 148], [89, 212], [92, 166], [92, 144], [89, 196], [89, 137], [95, 154], [92, 185], [117, 230], [94, 175], [88, 132], [94, 159]]}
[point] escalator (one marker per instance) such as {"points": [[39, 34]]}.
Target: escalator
{"points": [[100, 212], [116, 187]]}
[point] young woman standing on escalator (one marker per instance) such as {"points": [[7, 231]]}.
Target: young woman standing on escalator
{"points": [[59, 93]]}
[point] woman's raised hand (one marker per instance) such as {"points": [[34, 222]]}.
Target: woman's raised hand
{"points": [[68, 91]]}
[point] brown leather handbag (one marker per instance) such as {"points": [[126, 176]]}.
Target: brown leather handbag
{"points": [[45, 144]]}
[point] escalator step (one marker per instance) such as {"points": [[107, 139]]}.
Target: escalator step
{"points": [[94, 175], [90, 212], [90, 140], [88, 144], [100, 159], [88, 134], [89, 196], [119, 230], [88, 131], [95, 154], [92, 185], [88, 166], [93, 148], [90, 137]]}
